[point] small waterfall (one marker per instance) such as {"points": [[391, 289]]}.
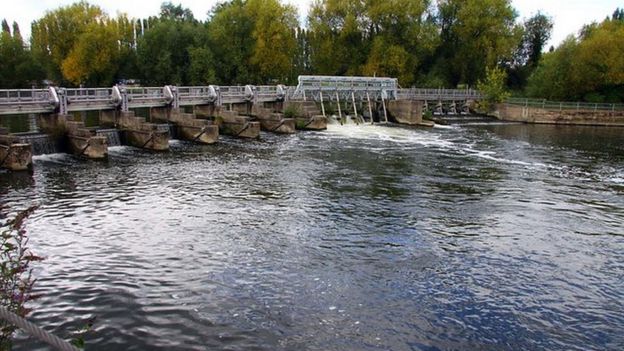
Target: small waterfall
{"points": [[42, 144], [112, 135]]}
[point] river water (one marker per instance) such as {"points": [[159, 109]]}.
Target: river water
{"points": [[487, 237]]}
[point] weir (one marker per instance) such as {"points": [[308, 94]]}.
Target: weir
{"points": [[238, 111]]}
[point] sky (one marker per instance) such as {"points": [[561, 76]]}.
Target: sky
{"points": [[569, 15]]}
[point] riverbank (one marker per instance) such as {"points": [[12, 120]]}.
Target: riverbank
{"points": [[587, 117]]}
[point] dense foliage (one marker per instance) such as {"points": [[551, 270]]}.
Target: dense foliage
{"points": [[426, 43], [590, 67]]}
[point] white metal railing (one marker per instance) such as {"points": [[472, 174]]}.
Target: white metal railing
{"points": [[439, 94], [563, 105]]}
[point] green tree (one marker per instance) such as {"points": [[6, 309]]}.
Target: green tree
{"points": [[536, 33], [388, 38], [18, 68], [54, 36], [93, 60], [476, 35], [274, 47], [164, 49], [590, 67], [230, 36], [493, 88]]}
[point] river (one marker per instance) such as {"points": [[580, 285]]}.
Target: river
{"points": [[475, 237]]}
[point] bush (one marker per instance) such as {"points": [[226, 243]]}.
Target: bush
{"points": [[292, 111], [493, 89], [16, 281]]}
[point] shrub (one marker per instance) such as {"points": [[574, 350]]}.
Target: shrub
{"points": [[16, 281], [292, 111]]}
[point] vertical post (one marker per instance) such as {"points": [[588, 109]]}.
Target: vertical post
{"points": [[354, 107], [322, 103], [370, 109], [383, 103], [339, 110]]}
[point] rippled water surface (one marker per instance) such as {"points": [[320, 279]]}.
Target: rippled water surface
{"points": [[496, 237]]}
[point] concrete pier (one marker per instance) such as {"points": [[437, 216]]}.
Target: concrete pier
{"points": [[271, 121], [307, 115], [229, 122], [80, 140], [406, 111], [188, 127], [83, 143], [14, 156], [139, 133]]}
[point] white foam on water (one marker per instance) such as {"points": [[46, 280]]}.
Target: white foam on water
{"points": [[391, 134], [50, 157], [117, 148], [426, 138]]}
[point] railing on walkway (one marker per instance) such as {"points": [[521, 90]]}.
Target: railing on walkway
{"points": [[563, 105], [439, 94]]}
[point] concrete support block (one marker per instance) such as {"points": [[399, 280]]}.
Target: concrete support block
{"points": [[16, 157], [160, 114], [303, 109], [311, 123], [242, 109], [52, 123], [141, 134], [203, 111], [280, 126], [197, 130], [405, 111], [109, 118], [273, 122], [83, 143], [148, 136]]}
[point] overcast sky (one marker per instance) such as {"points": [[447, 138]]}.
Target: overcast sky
{"points": [[569, 16]]}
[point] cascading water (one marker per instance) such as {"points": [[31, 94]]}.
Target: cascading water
{"points": [[112, 135], [42, 144]]}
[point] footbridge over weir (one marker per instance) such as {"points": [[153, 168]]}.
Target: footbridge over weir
{"points": [[201, 113]]}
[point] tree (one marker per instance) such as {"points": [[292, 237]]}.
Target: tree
{"points": [[476, 35], [590, 67], [54, 36], [493, 88], [164, 49], [536, 33], [168, 11], [230, 36], [389, 38], [93, 60], [272, 56], [18, 68]]}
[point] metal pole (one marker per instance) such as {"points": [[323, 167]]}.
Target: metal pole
{"points": [[370, 109], [354, 107], [339, 110], [322, 104], [383, 103]]}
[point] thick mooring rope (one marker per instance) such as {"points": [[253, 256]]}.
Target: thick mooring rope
{"points": [[35, 331]]}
